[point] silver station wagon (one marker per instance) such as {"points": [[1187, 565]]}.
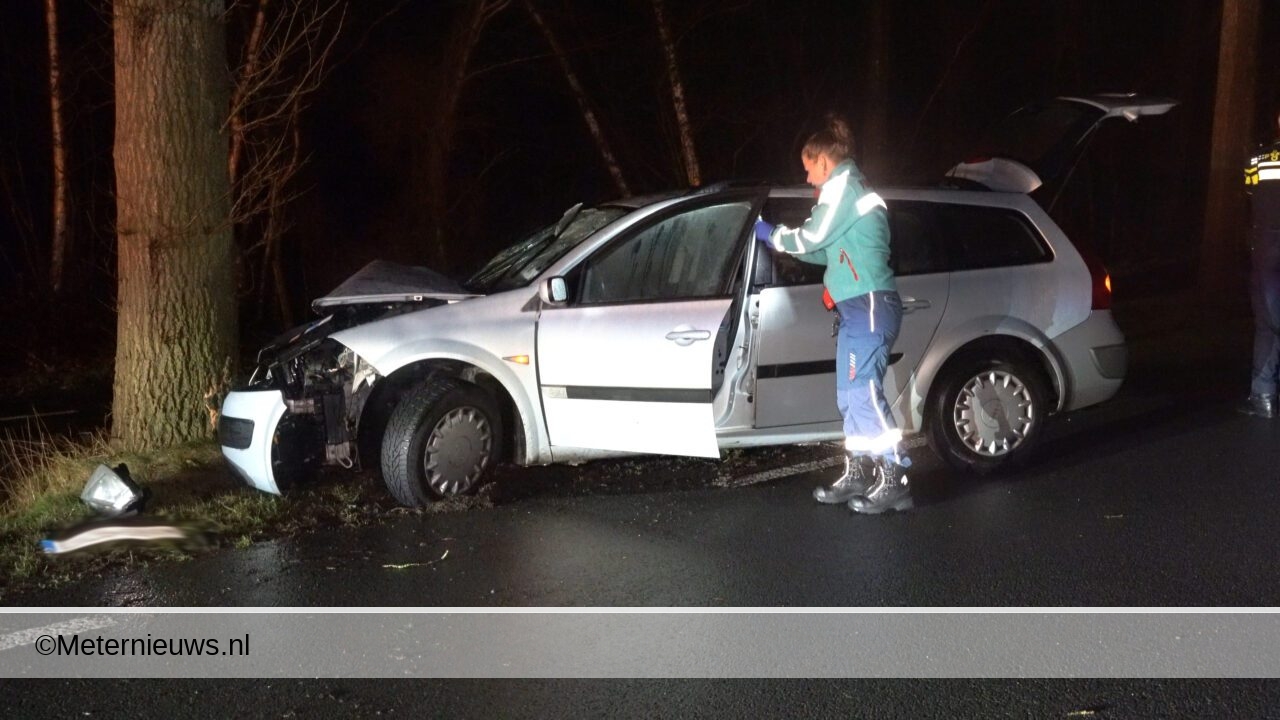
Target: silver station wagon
{"points": [[657, 325]]}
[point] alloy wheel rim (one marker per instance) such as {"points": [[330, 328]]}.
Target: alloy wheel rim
{"points": [[457, 450], [994, 413]]}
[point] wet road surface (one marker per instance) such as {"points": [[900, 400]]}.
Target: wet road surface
{"points": [[915, 699], [1150, 501], [1163, 496]]}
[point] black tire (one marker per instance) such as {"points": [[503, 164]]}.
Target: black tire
{"points": [[980, 435], [463, 424]]}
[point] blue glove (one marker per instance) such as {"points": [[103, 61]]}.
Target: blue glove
{"points": [[763, 230]]}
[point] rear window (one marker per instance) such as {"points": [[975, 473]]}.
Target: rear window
{"points": [[917, 245], [986, 237]]}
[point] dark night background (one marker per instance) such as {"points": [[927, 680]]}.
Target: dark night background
{"points": [[759, 74]]}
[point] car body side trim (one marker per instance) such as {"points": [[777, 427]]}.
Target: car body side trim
{"points": [[797, 369], [626, 394]]}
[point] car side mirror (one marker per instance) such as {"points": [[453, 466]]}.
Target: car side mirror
{"points": [[554, 291]]}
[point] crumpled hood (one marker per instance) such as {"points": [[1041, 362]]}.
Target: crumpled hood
{"points": [[386, 282]]}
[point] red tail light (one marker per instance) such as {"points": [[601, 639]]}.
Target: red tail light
{"points": [[1101, 281], [1102, 295]]}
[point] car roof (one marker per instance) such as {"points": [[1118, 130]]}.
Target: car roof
{"points": [[932, 193], [929, 193], [635, 202]]}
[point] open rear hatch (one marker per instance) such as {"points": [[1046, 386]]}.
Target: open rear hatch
{"points": [[1035, 148]]}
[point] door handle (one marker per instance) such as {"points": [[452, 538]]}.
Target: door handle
{"points": [[685, 335], [910, 304]]}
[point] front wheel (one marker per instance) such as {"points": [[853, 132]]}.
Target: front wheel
{"points": [[988, 413], [441, 440]]}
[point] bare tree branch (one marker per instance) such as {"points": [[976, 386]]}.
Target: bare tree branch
{"points": [[286, 57], [252, 55], [463, 37], [580, 95], [978, 22], [704, 13], [688, 151], [601, 42], [61, 231]]}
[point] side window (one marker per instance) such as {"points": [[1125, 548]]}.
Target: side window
{"points": [[787, 270], [915, 243], [916, 246], [986, 237], [690, 255]]}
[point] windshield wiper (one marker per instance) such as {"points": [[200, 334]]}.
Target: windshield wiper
{"points": [[565, 219]]}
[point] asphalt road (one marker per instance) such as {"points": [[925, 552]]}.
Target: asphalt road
{"points": [[915, 699], [1162, 497]]}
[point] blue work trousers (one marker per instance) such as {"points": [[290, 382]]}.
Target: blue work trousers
{"points": [[869, 326], [1264, 287]]}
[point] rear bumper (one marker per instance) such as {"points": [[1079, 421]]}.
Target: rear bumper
{"points": [[1111, 361], [1096, 360], [246, 432]]}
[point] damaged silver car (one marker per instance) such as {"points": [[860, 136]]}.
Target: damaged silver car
{"points": [[655, 325]]}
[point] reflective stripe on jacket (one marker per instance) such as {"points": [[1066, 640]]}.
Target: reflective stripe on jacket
{"points": [[1262, 180], [848, 231]]}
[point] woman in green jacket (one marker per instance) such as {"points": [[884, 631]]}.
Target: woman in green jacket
{"points": [[848, 232]]}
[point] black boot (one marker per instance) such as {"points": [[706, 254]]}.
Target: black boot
{"points": [[889, 492], [855, 481], [1263, 406]]}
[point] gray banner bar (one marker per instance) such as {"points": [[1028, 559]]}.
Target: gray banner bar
{"points": [[659, 645]]}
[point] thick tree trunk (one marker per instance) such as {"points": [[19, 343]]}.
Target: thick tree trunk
{"points": [[60, 239], [687, 150], [176, 330], [584, 105], [1223, 248]]}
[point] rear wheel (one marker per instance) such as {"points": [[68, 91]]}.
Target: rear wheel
{"points": [[988, 413], [441, 440]]}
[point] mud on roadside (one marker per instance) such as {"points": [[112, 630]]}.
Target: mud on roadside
{"points": [[209, 498]]}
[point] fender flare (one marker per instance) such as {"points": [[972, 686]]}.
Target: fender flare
{"points": [[536, 445]]}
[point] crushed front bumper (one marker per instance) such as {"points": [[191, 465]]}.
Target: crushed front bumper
{"points": [[247, 431]]}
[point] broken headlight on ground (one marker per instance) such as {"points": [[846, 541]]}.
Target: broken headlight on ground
{"points": [[111, 492]]}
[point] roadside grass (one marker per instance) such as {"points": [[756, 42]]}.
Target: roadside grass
{"points": [[41, 478], [191, 486]]}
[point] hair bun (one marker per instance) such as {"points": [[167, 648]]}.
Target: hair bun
{"points": [[835, 140], [839, 129]]}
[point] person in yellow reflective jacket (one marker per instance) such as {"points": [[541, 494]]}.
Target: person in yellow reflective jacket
{"points": [[1262, 180]]}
